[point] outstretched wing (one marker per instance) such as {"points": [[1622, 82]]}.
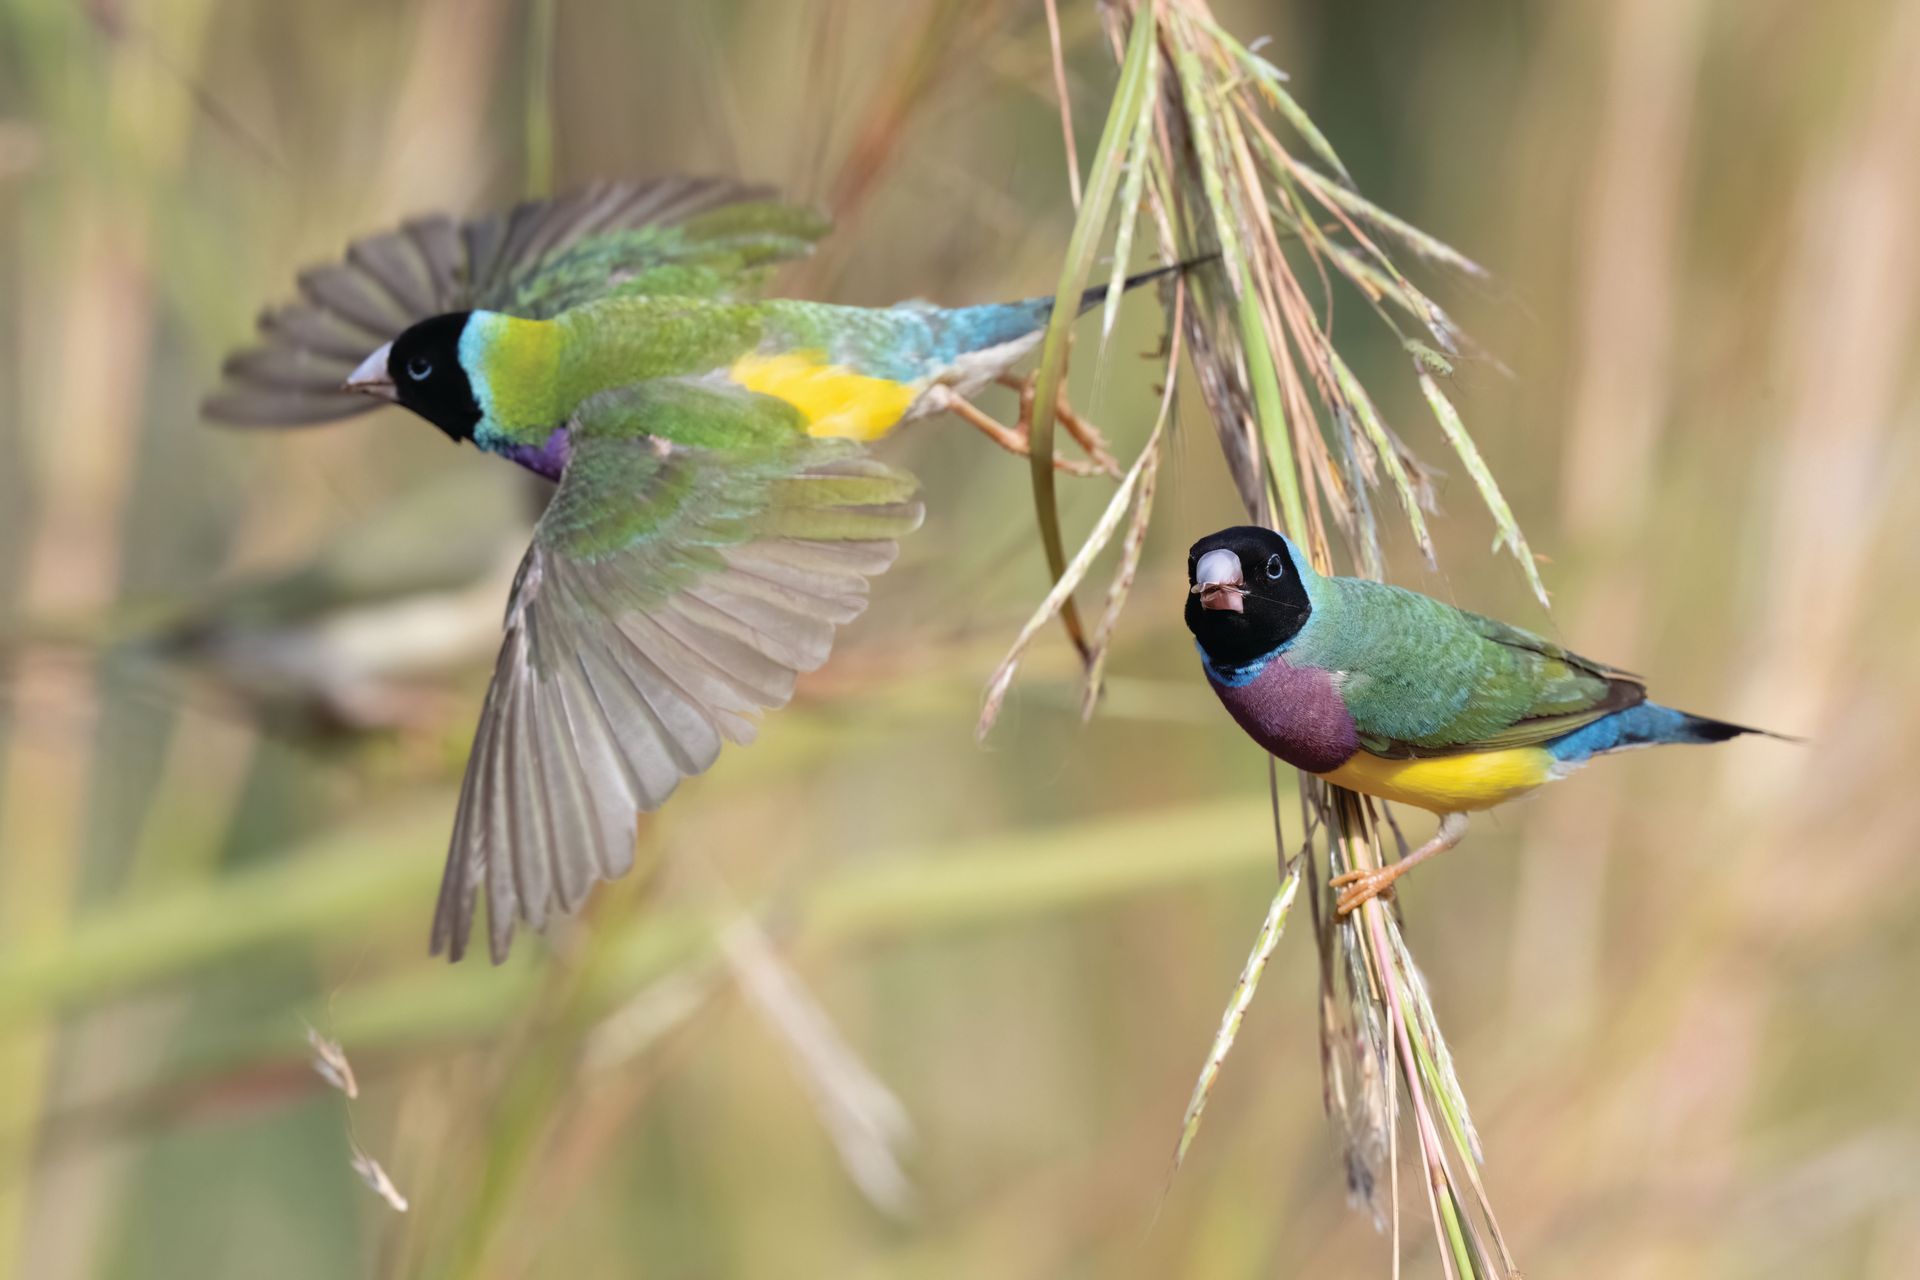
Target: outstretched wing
{"points": [[672, 592], [709, 237]]}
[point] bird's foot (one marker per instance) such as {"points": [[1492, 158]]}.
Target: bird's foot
{"points": [[1088, 437], [1084, 433], [1015, 439], [1362, 886]]}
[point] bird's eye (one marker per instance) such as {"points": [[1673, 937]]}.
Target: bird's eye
{"points": [[1275, 565], [419, 368]]}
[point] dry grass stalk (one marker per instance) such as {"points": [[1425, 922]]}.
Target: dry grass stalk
{"points": [[1059, 599], [1136, 540], [330, 1064], [377, 1180], [1264, 942], [1203, 135], [868, 1124]]}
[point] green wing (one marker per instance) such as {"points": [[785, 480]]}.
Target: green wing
{"points": [[708, 237], [1422, 678], [1557, 672], [671, 593]]}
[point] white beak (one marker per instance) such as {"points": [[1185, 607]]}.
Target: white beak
{"points": [[372, 376], [1218, 581]]}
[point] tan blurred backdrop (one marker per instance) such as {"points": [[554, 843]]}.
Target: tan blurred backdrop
{"points": [[1679, 989]]}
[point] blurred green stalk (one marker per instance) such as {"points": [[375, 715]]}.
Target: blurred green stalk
{"points": [[354, 884]]}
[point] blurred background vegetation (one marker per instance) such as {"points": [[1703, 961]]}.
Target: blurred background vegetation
{"points": [[240, 673]]}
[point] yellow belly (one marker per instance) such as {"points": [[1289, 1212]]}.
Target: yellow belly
{"points": [[835, 400], [1448, 784]]}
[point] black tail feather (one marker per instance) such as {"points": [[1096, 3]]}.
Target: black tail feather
{"points": [[1096, 295], [1722, 730], [1707, 729]]}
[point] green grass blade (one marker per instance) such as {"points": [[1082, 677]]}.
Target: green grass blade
{"points": [[1138, 150], [1469, 453], [539, 118], [348, 885], [1088, 229], [1062, 592], [1304, 126], [361, 875], [1427, 246], [1387, 450], [1264, 942], [1283, 472]]}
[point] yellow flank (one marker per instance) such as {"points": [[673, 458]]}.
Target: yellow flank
{"points": [[836, 400], [1448, 784]]}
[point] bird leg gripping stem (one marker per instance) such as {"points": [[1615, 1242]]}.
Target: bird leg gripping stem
{"points": [[1084, 433], [1359, 886], [1014, 439]]}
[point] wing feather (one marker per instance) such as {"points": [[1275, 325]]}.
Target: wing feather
{"points": [[343, 292], [496, 819], [437, 241], [280, 367], [1529, 731], [663, 606], [482, 238], [393, 262], [304, 331], [453, 915], [757, 680]]}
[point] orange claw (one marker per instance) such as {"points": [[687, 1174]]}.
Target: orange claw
{"points": [[1013, 439], [1372, 883]]}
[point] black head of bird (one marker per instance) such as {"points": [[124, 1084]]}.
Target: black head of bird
{"points": [[1245, 596], [422, 371]]}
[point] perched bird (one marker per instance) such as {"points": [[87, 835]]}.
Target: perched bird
{"points": [[715, 518], [1393, 694]]}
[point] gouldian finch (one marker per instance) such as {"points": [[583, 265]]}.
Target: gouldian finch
{"points": [[716, 516], [1393, 694]]}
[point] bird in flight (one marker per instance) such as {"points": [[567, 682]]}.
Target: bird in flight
{"points": [[1396, 695], [716, 515]]}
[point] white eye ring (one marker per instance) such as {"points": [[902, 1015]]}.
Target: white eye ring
{"points": [[419, 368], [1276, 567]]}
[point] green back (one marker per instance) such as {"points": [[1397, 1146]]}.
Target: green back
{"points": [[1421, 677], [621, 341], [723, 254]]}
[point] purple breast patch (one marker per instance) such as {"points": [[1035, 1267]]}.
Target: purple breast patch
{"points": [[1294, 712], [548, 459]]}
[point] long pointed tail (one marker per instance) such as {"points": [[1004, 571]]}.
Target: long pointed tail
{"points": [[1648, 725], [1098, 293], [970, 329], [1693, 728]]}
